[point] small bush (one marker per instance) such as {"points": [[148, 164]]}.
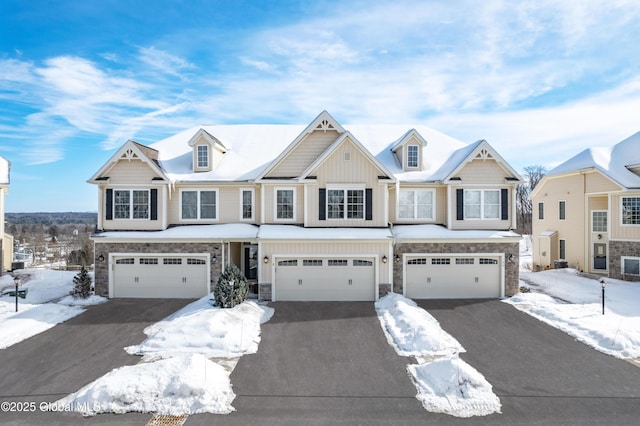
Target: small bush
{"points": [[81, 284], [231, 288]]}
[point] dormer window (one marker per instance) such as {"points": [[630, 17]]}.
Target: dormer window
{"points": [[202, 159], [412, 156]]}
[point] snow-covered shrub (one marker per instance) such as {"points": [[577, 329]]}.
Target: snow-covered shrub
{"points": [[231, 288], [81, 284]]}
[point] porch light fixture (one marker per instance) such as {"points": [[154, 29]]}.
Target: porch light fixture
{"points": [[101, 258], [266, 259], [511, 258], [214, 258], [599, 236], [397, 258], [384, 259]]}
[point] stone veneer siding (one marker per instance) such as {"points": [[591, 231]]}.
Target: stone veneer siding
{"points": [[102, 269], [617, 249], [511, 273]]}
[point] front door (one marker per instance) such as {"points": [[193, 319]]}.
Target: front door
{"points": [[600, 256], [251, 262]]}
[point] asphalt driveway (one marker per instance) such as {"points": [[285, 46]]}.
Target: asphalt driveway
{"points": [[48, 366]]}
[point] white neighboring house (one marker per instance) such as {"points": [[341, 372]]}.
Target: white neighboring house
{"points": [[7, 240], [315, 212]]}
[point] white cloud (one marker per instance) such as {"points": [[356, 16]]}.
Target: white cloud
{"points": [[163, 61]]}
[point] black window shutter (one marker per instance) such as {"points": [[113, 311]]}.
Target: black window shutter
{"points": [[322, 204], [154, 204], [109, 210], [504, 203], [368, 199], [459, 204]]}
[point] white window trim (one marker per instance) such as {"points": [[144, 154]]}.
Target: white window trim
{"points": [[540, 205], [275, 203], [253, 205], [560, 241], [196, 167], [198, 219], [482, 191], [621, 215], [565, 209], [415, 206], [346, 188], [407, 157], [622, 259], [130, 191]]}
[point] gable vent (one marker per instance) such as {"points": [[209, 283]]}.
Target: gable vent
{"points": [[347, 156], [129, 155], [484, 155], [325, 125]]}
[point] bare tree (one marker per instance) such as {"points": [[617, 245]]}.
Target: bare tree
{"points": [[524, 207]]}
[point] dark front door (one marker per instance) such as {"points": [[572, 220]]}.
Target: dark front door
{"points": [[600, 256]]}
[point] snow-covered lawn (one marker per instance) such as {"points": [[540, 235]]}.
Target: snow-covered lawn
{"points": [[572, 303], [445, 383], [47, 303], [188, 358]]}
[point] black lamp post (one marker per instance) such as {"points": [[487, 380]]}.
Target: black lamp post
{"points": [[603, 284], [16, 281]]}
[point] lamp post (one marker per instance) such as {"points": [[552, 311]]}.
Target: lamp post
{"points": [[16, 281], [603, 284]]}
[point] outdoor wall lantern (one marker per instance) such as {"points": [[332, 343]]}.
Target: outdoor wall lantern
{"points": [[384, 259], [511, 258], [599, 236], [101, 258], [397, 258], [214, 258], [266, 259]]}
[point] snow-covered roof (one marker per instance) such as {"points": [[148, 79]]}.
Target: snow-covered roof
{"points": [[5, 168], [293, 232], [429, 231], [251, 148], [610, 161], [214, 232]]}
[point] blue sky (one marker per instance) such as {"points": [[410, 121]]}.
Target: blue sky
{"points": [[539, 80]]}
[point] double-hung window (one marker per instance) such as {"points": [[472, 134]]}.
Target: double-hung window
{"points": [[285, 207], [246, 204], [345, 203], [198, 204], [482, 204], [631, 210], [202, 159], [412, 156], [131, 204], [416, 204]]}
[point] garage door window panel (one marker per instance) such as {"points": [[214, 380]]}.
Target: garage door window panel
{"points": [[171, 261], [127, 261], [440, 261], [148, 261]]}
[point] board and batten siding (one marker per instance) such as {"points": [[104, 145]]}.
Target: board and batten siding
{"points": [[618, 230], [481, 172], [595, 182], [313, 248], [346, 166], [304, 153]]}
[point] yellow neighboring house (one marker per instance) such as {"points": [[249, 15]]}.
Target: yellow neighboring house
{"points": [[7, 240], [308, 212], [586, 213]]}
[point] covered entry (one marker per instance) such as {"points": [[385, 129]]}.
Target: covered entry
{"points": [[453, 276], [159, 276], [324, 278]]}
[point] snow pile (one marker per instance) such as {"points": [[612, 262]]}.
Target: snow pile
{"points": [[38, 312], [176, 376], [447, 384], [188, 383], [451, 386], [213, 332], [411, 330], [572, 303]]}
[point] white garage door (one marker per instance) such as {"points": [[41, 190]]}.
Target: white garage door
{"points": [[315, 279], [168, 276], [453, 277]]}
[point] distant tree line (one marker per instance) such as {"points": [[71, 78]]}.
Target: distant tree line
{"points": [[524, 207]]}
